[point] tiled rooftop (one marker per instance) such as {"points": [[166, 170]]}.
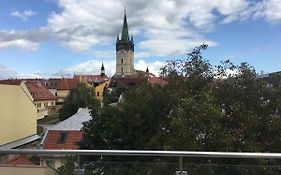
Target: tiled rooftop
{"points": [[38, 91]]}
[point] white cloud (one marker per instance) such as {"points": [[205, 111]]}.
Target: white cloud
{"points": [[168, 27], [154, 67], [270, 10], [165, 27], [8, 73], [20, 43], [24, 15], [27, 40], [89, 67], [93, 67]]}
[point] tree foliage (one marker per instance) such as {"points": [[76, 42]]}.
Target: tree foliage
{"points": [[81, 96], [202, 108]]}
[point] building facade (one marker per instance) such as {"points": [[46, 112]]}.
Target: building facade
{"points": [[18, 113]]}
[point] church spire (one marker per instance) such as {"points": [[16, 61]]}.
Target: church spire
{"points": [[125, 32], [102, 70]]}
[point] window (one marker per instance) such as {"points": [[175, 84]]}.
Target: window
{"points": [[122, 69], [45, 104], [39, 105], [98, 93], [122, 60], [62, 138], [56, 94]]}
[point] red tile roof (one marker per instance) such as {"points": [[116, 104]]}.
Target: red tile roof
{"points": [[92, 78], [127, 81], [34, 86], [38, 91], [11, 82], [20, 160], [67, 84], [51, 141], [157, 80]]}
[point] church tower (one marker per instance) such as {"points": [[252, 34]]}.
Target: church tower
{"points": [[124, 52]]}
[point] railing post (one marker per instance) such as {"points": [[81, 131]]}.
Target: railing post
{"points": [[78, 161], [181, 166], [78, 165]]}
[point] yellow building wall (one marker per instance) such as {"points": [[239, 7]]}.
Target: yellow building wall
{"points": [[100, 90], [62, 94], [57, 162], [17, 113], [42, 110], [26, 170]]}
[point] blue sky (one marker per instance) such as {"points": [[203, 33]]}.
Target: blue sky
{"points": [[49, 38]]}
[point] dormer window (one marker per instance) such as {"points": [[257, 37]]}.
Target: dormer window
{"points": [[62, 138]]}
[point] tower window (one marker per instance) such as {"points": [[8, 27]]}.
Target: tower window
{"points": [[122, 60], [122, 69]]}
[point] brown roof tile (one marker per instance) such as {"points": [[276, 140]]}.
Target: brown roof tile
{"points": [[157, 80], [20, 160], [11, 82], [67, 84], [51, 141], [38, 91], [92, 78]]}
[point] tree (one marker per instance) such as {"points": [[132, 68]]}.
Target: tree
{"points": [[81, 96], [201, 108]]}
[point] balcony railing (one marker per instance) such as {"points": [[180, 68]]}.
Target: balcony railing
{"points": [[267, 162]]}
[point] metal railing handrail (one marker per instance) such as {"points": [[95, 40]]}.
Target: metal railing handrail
{"points": [[205, 154]]}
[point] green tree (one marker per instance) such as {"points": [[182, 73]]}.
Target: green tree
{"points": [[81, 96], [201, 108]]}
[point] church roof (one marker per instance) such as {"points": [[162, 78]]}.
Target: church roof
{"points": [[125, 31]]}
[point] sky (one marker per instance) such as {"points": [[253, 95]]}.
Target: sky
{"points": [[59, 38]]}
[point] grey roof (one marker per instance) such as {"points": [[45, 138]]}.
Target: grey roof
{"points": [[74, 122], [20, 142]]}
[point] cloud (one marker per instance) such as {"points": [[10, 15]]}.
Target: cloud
{"points": [[154, 67], [166, 27], [88, 67], [163, 27], [94, 67], [8, 73], [27, 40], [24, 15], [20, 43], [270, 10]]}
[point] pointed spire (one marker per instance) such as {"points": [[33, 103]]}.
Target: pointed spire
{"points": [[125, 32], [102, 67], [147, 71], [117, 38], [102, 73]]}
